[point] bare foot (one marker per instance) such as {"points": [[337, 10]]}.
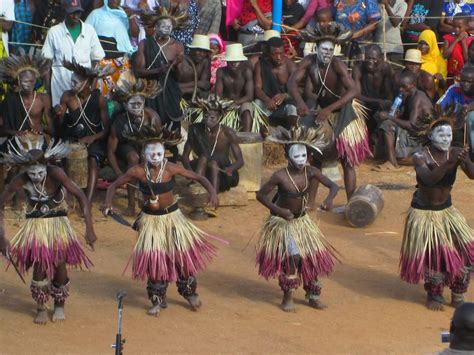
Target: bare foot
{"points": [[386, 167], [434, 305], [41, 317], [129, 211], [155, 310], [58, 314], [287, 303], [457, 299], [317, 304], [194, 301]]}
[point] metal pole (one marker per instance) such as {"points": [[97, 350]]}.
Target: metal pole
{"points": [[277, 14]]}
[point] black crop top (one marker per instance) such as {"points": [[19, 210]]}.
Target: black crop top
{"points": [[156, 188], [446, 181]]}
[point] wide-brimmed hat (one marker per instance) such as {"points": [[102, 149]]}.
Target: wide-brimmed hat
{"points": [[413, 56], [235, 53], [270, 34], [200, 42], [71, 6]]}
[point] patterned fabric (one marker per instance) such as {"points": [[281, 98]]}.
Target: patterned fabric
{"points": [[248, 13], [451, 8], [357, 15], [427, 12], [48, 14], [22, 33], [185, 36], [210, 17]]}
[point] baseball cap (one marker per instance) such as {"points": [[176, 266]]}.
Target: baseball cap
{"points": [[71, 6]]}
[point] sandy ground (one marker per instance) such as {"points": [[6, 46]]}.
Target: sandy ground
{"points": [[371, 311]]}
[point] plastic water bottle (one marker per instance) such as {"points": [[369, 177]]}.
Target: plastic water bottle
{"points": [[396, 105]]}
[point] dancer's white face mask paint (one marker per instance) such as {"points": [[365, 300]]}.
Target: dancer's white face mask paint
{"points": [[37, 173], [325, 52], [441, 137], [298, 155], [154, 153], [136, 105], [164, 28], [27, 81]]}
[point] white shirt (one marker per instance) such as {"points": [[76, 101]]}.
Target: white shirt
{"points": [[393, 38], [7, 10], [59, 46]]}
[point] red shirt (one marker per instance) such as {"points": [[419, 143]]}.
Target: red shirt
{"points": [[456, 60], [248, 13]]}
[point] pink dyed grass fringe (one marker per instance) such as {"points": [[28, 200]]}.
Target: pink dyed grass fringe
{"points": [[355, 154]]}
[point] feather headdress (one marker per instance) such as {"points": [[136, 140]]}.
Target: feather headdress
{"points": [[213, 103], [128, 85], [309, 136], [174, 13], [148, 135], [11, 67], [22, 150], [335, 33], [89, 73]]}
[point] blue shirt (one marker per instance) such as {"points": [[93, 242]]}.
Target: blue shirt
{"points": [[357, 16], [449, 9], [454, 96]]}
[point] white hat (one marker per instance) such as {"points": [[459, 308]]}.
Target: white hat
{"points": [[270, 34], [235, 53], [413, 56], [200, 42]]}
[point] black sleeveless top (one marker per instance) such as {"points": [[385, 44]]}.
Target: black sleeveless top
{"points": [[156, 188]]}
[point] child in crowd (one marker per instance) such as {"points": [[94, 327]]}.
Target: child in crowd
{"points": [[217, 56], [292, 13]]}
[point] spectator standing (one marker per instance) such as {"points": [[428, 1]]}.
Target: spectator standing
{"points": [[21, 33], [393, 12], [47, 14], [111, 20], [71, 40], [450, 9], [210, 14], [7, 16], [133, 8], [455, 47], [311, 7], [424, 15]]}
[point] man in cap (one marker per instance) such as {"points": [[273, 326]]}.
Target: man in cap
{"points": [[425, 81], [71, 40], [199, 56], [235, 82]]}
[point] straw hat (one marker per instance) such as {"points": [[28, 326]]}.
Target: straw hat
{"points": [[270, 34], [200, 42], [235, 53], [413, 56]]}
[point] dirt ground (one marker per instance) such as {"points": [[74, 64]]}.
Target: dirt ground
{"points": [[370, 310]]}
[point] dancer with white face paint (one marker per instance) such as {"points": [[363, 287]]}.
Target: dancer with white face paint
{"points": [[291, 246], [438, 245], [169, 248], [131, 92], [331, 91], [46, 241], [82, 117]]}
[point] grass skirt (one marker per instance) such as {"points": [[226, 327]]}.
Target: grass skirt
{"points": [[47, 242], [438, 241], [273, 254], [169, 246], [353, 142]]}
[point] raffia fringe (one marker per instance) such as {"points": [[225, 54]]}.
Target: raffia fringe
{"points": [[317, 255], [169, 244], [47, 241], [440, 241], [353, 142], [231, 118]]}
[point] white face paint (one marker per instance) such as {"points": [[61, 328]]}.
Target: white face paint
{"points": [[27, 81], [325, 51], [298, 155], [441, 137], [77, 83], [164, 28], [136, 105], [154, 153], [37, 173]]}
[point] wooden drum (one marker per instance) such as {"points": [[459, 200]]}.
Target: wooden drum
{"points": [[77, 165], [250, 175], [364, 206]]}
